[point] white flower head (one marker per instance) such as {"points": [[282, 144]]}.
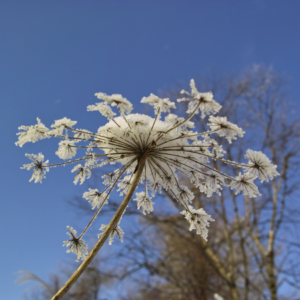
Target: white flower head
{"points": [[159, 104], [212, 183], [202, 101], [185, 195], [76, 245], [66, 149], [244, 183], [116, 100], [260, 166], [144, 201], [38, 165], [155, 185], [124, 184], [32, 133], [152, 152], [214, 179], [104, 109], [207, 189], [168, 181], [225, 128], [198, 220], [60, 125], [116, 231], [95, 198], [82, 173]]}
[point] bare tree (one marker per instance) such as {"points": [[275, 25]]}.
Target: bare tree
{"points": [[87, 288], [253, 247]]}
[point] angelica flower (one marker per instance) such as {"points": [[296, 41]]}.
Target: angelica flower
{"points": [[76, 244], [214, 180], [39, 167], [185, 195], [154, 186], [115, 100], [32, 133], [202, 101], [163, 105], [66, 149], [260, 166], [225, 128], [124, 185], [60, 125], [144, 201], [81, 174], [155, 153], [95, 198], [198, 219], [244, 183], [168, 181], [103, 108], [207, 189]]}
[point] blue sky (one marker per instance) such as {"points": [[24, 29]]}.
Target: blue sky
{"points": [[54, 55]]}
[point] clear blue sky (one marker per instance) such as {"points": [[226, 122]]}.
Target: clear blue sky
{"points": [[54, 55]]}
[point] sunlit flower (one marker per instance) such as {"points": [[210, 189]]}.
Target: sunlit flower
{"points": [[38, 165], [198, 220], [162, 105], [244, 183], [202, 101], [150, 154], [115, 100], [144, 202], [225, 128], [60, 125], [185, 195], [124, 185], [32, 133], [95, 198], [260, 166], [66, 149], [103, 108], [76, 244], [82, 173]]}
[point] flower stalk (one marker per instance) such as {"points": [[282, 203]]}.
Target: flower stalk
{"points": [[105, 234]]}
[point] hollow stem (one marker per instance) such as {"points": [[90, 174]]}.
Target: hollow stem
{"points": [[105, 234]]}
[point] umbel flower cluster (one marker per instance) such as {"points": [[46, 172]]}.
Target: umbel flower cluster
{"points": [[165, 147]]}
